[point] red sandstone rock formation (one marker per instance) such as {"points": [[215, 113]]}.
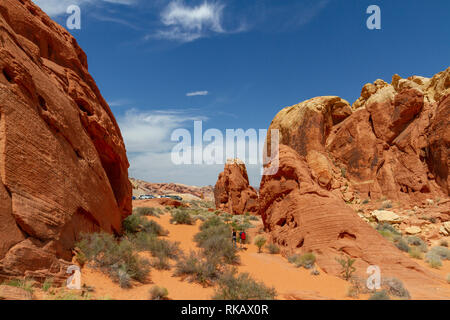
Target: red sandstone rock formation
{"points": [[393, 143], [63, 165], [232, 191]]}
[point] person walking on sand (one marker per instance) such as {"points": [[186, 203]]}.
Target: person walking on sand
{"points": [[234, 238]]}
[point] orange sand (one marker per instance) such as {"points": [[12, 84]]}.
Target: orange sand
{"points": [[290, 282]]}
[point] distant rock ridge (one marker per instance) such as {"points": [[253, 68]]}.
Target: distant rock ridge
{"points": [[63, 164], [141, 187]]}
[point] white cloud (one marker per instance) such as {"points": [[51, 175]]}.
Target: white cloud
{"points": [[56, 8], [151, 130], [149, 149], [185, 24], [197, 93]]}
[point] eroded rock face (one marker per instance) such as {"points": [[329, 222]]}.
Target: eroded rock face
{"points": [[396, 143], [302, 216], [393, 142], [63, 165], [232, 192]]}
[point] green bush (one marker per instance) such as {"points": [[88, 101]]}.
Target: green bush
{"points": [[159, 248], [201, 269], [117, 258], [242, 287], [434, 260], [48, 283], [442, 252], [260, 241], [24, 284], [137, 223], [394, 287], [380, 295], [417, 242], [415, 253], [402, 244], [215, 238], [146, 211], [273, 248], [347, 267], [181, 216], [306, 260], [158, 293]]}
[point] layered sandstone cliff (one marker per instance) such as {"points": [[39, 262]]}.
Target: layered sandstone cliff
{"points": [[63, 165]]}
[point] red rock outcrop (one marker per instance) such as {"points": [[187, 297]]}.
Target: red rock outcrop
{"points": [[232, 192], [63, 165], [392, 143]]}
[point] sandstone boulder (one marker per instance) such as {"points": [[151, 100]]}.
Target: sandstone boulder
{"points": [[413, 230], [386, 216], [232, 192], [64, 168]]}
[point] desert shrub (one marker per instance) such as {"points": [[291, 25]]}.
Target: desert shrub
{"points": [[113, 256], [394, 287], [443, 243], [253, 218], [434, 260], [181, 216], [215, 240], [48, 283], [137, 223], [357, 286], [260, 241], [402, 244], [365, 201], [161, 262], [158, 293], [201, 269], [157, 247], [273, 248], [213, 221], [415, 253], [347, 267], [343, 172], [380, 295], [233, 286], [386, 204], [307, 260], [24, 284], [293, 258], [388, 231], [442, 252], [146, 211], [417, 242]]}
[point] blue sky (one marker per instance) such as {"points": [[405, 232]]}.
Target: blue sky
{"points": [[234, 64]]}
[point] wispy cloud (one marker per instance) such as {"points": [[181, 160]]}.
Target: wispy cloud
{"points": [[151, 130], [187, 23], [197, 93]]}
